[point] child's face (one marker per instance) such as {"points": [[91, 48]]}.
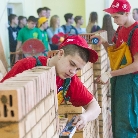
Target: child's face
{"points": [[48, 13], [45, 25], [15, 20], [31, 24], [58, 22], [67, 66], [81, 21], [24, 21], [120, 19], [71, 20], [43, 13]]}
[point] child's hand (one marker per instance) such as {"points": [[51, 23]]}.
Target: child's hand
{"points": [[100, 38], [103, 79], [80, 121]]}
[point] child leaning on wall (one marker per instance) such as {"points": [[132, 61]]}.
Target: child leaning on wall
{"points": [[72, 56]]}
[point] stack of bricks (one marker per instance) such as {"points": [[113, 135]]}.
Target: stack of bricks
{"points": [[101, 66], [28, 105], [91, 130]]}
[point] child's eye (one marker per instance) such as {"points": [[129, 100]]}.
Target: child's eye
{"points": [[78, 69], [72, 64]]}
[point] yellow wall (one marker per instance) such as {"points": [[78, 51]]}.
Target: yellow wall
{"points": [[30, 7], [61, 7], [94, 5]]}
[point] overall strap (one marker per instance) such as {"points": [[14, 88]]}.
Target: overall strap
{"points": [[64, 28], [131, 34], [65, 88], [74, 29], [38, 63]]}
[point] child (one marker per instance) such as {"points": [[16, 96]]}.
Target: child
{"points": [[13, 32], [42, 25], [72, 56], [124, 65]]}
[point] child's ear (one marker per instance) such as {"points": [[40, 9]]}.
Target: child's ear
{"points": [[61, 52]]}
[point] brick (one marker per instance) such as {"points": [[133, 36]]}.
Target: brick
{"points": [[28, 135], [22, 78], [37, 131], [70, 109], [40, 111], [55, 123], [28, 92], [37, 78], [101, 65], [78, 135], [56, 135], [52, 114], [30, 121], [44, 135], [50, 132], [49, 102], [45, 122], [88, 83], [11, 104], [12, 130]]}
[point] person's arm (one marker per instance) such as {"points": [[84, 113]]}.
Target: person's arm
{"points": [[50, 35], [39, 34], [19, 67], [19, 44], [128, 69], [101, 41], [61, 29], [80, 96], [18, 48], [92, 112]]}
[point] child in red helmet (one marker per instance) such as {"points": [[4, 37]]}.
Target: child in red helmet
{"points": [[72, 56], [123, 55]]}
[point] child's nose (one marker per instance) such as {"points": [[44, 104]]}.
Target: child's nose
{"points": [[73, 71]]}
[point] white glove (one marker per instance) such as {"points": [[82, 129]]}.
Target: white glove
{"points": [[105, 77]]}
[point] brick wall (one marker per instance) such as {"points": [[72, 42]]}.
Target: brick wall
{"points": [[28, 105]]}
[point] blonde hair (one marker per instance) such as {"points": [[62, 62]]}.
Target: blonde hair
{"points": [[53, 22], [93, 20]]}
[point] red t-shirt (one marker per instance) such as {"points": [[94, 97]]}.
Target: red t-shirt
{"points": [[79, 95], [122, 36]]}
